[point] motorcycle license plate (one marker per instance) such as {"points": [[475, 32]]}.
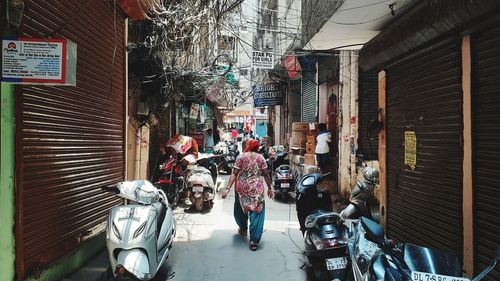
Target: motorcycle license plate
{"points": [[424, 276], [336, 263], [285, 184], [197, 188]]}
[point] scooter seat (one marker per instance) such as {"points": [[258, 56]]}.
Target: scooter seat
{"points": [[319, 216]]}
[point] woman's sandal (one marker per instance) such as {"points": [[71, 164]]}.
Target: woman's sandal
{"points": [[253, 246], [242, 232]]}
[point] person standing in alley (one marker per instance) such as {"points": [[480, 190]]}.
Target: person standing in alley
{"points": [[249, 203], [208, 141], [322, 147], [234, 135]]}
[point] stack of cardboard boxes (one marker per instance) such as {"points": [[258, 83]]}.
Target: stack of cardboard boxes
{"points": [[298, 140], [310, 156]]}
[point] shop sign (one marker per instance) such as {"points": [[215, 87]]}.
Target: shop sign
{"points": [[268, 95], [411, 149], [292, 66], [262, 60], [38, 61]]}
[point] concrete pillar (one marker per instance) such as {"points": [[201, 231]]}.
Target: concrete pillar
{"points": [[353, 137], [344, 115], [323, 102], [348, 113]]}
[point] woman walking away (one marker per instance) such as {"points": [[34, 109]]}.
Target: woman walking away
{"points": [[249, 201]]}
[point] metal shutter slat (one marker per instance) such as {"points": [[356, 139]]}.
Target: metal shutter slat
{"points": [[486, 114], [71, 138], [309, 95], [424, 95]]}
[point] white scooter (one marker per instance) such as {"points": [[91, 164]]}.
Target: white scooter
{"points": [[139, 235]]}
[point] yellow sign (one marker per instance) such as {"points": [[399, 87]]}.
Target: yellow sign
{"points": [[411, 149]]}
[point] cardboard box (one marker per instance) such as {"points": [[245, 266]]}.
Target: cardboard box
{"points": [[300, 126], [298, 142], [299, 134], [310, 159], [311, 139], [310, 148]]}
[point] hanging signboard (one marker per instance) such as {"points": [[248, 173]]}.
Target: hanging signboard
{"points": [[262, 60], [38, 61], [292, 66], [268, 95], [411, 149]]}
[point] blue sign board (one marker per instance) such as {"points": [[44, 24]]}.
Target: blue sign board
{"points": [[268, 95]]}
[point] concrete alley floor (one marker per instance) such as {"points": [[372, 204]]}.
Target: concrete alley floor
{"points": [[207, 246]]}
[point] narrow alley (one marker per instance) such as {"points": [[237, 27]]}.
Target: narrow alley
{"points": [[208, 247]]}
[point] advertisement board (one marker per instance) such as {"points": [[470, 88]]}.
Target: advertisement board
{"points": [[262, 60], [268, 95], [38, 61]]}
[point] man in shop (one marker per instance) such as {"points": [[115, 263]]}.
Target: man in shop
{"points": [[208, 141], [322, 147]]}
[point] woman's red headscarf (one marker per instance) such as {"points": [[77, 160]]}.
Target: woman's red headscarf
{"points": [[252, 145]]}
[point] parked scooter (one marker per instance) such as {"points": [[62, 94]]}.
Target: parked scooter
{"points": [[277, 157], [360, 194], [283, 183], [323, 229], [226, 156], [139, 235], [374, 257], [201, 181]]}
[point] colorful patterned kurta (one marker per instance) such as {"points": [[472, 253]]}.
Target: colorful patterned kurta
{"points": [[249, 184]]}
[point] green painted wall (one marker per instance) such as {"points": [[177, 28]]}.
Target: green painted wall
{"points": [[7, 201]]}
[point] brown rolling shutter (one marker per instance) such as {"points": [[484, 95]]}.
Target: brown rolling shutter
{"points": [[486, 94], [70, 140], [424, 95], [368, 110]]}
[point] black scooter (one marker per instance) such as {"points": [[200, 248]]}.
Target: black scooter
{"points": [[374, 257], [325, 246]]}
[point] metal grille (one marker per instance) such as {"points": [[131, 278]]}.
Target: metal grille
{"points": [[424, 95], [368, 110], [486, 91], [70, 140], [309, 94]]}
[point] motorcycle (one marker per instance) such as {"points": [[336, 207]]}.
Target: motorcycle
{"points": [[170, 177], [171, 180], [374, 257], [283, 183], [226, 156], [201, 182], [139, 235], [323, 230]]}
